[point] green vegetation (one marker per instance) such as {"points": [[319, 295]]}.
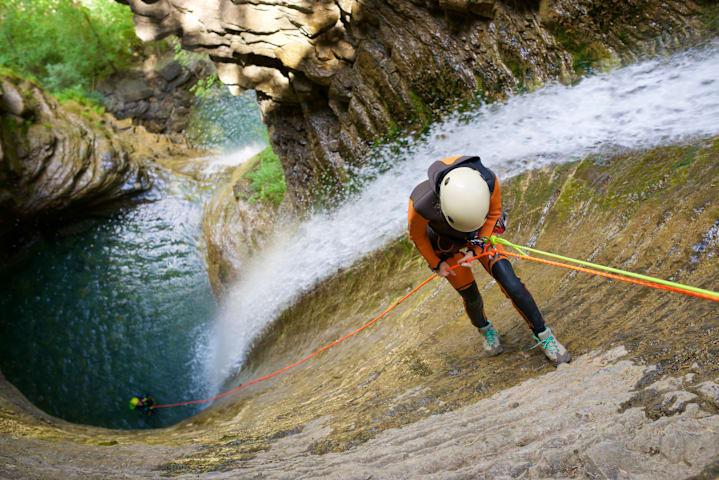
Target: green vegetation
{"points": [[66, 45], [184, 57], [90, 100], [514, 63], [267, 179], [687, 157], [710, 15], [11, 73], [206, 86], [421, 110], [586, 55]]}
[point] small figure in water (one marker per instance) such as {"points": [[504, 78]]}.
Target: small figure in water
{"points": [[451, 217], [143, 403]]}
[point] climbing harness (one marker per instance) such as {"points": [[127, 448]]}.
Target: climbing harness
{"points": [[489, 244]]}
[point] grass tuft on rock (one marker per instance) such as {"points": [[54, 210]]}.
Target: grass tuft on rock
{"points": [[89, 100], [267, 179]]}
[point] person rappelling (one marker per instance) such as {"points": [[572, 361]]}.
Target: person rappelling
{"points": [[451, 217], [143, 404]]}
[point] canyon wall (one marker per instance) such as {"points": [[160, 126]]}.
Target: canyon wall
{"points": [[53, 160], [332, 76], [60, 162], [158, 95]]}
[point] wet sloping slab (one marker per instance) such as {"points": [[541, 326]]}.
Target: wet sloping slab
{"points": [[585, 420], [378, 405], [599, 417]]}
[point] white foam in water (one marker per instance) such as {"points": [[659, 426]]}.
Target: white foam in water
{"points": [[647, 104], [233, 158]]}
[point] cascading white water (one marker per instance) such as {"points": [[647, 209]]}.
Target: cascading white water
{"points": [[233, 158], [655, 102]]}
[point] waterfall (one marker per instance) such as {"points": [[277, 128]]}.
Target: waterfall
{"points": [[660, 101]]}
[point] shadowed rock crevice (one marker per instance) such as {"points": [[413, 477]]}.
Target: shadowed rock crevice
{"points": [[59, 163], [157, 96], [54, 160]]}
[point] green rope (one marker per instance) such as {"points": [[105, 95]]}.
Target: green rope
{"points": [[501, 241]]}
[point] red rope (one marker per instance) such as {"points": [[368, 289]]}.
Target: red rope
{"points": [[411, 293], [316, 352]]}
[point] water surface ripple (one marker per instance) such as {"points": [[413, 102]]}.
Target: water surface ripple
{"points": [[122, 307]]}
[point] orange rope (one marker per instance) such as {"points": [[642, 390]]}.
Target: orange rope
{"points": [[316, 352], [635, 281], [389, 309]]}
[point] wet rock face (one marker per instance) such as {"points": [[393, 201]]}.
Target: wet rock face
{"points": [[333, 75], [414, 393], [235, 228], [157, 97], [53, 161]]}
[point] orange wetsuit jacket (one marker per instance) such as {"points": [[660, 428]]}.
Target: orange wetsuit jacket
{"points": [[429, 230]]}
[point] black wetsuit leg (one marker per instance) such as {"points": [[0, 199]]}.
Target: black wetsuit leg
{"points": [[515, 290], [473, 305]]}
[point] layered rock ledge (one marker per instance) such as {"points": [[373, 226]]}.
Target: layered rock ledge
{"points": [[60, 162], [334, 75], [236, 228]]}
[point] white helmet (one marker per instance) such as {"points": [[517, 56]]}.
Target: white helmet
{"points": [[464, 199]]}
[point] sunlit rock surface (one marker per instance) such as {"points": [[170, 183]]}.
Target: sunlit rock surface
{"points": [[60, 162], [414, 397], [236, 228], [332, 76], [572, 423], [53, 160]]}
